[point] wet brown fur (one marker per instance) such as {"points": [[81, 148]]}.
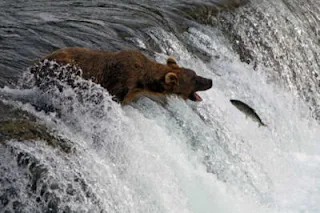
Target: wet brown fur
{"points": [[128, 74]]}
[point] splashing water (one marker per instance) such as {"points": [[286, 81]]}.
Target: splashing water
{"points": [[181, 157]]}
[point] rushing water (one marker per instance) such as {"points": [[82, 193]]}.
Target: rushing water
{"points": [[178, 157]]}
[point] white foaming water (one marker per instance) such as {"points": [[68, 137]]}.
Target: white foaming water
{"points": [[187, 157]]}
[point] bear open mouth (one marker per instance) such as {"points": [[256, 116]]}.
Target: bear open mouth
{"points": [[195, 97]]}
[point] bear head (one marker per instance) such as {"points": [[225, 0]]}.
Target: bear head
{"points": [[184, 82]]}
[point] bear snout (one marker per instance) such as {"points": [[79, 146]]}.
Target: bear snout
{"points": [[203, 83]]}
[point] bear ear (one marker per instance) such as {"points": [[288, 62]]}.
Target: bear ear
{"points": [[172, 63], [171, 78]]}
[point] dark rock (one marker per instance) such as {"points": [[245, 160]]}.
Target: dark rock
{"points": [[25, 130]]}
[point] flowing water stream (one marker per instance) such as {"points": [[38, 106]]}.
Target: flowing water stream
{"points": [[179, 157]]}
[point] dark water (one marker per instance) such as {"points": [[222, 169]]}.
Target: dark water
{"points": [[95, 156], [32, 29], [282, 36]]}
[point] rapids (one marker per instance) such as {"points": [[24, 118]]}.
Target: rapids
{"points": [[179, 157]]}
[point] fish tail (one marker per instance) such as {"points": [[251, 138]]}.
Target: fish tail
{"points": [[262, 124]]}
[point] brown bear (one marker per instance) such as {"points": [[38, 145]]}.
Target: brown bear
{"points": [[128, 74]]}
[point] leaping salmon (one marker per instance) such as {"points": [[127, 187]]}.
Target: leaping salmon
{"points": [[248, 111]]}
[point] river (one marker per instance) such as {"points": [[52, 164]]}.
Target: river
{"points": [[180, 157]]}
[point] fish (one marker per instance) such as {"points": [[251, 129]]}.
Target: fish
{"points": [[248, 111]]}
